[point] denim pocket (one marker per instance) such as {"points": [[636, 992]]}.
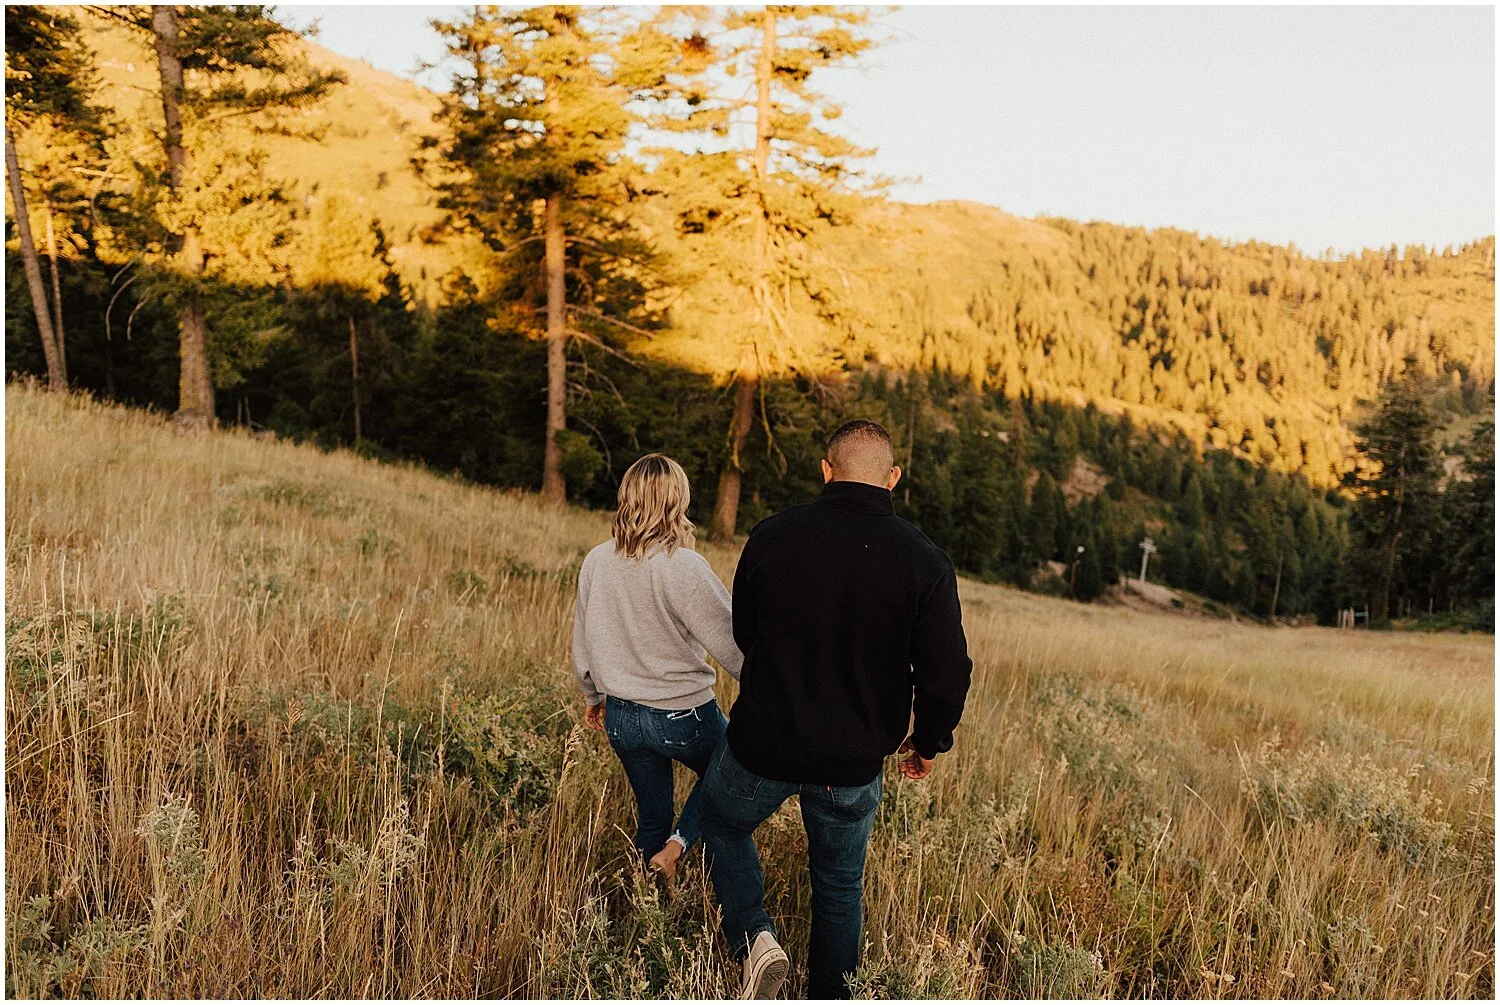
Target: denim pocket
{"points": [[615, 714], [853, 802], [678, 730], [734, 777]]}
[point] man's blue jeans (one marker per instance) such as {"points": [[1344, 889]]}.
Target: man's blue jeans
{"points": [[647, 741], [838, 820]]}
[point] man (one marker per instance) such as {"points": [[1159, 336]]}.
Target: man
{"points": [[849, 621]]}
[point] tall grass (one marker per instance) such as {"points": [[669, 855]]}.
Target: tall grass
{"points": [[286, 723]]}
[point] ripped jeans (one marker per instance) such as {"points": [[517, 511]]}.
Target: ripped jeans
{"points": [[647, 741]]}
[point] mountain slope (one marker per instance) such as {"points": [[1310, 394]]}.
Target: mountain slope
{"points": [[1251, 348], [364, 137]]}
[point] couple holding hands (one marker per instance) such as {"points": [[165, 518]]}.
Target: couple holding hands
{"points": [[844, 630]]}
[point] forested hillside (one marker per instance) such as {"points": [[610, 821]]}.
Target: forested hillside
{"points": [[1252, 348], [1052, 385]]}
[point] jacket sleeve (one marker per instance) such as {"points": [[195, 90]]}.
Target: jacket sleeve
{"points": [[744, 598], [582, 670], [940, 666], [705, 612]]}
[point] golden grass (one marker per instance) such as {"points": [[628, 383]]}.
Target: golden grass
{"points": [[288, 723]]}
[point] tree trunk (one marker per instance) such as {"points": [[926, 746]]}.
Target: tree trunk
{"points": [[911, 436], [1396, 531], [1276, 592], [727, 501], [57, 313], [354, 379], [195, 389], [553, 488], [747, 381], [56, 379], [109, 368], [169, 68], [1387, 580]]}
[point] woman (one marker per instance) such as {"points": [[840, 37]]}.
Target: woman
{"points": [[648, 609]]}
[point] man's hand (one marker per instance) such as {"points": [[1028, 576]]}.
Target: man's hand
{"points": [[593, 717], [914, 765]]}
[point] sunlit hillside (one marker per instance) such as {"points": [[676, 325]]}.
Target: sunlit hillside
{"points": [[1251, 348], [1058, 392], [357, 144], [1259, 350], [285, 723]]}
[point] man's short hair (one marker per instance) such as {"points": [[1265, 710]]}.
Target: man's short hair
{"points": [[861, 450]]}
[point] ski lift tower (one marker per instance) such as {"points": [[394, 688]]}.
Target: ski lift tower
{"points": [[1148, 548]]}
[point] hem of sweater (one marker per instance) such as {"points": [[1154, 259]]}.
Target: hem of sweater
{"points": [[674, 704], [842, 771]]}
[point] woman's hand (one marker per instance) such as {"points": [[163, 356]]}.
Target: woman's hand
{"points": [[593, 717]]}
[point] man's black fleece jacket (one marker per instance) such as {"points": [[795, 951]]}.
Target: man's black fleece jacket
{"points": [[848, 618]]}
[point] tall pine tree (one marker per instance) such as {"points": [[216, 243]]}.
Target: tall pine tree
{"points": [[214, 63], [1396, 487], [537, 120], [1471, 539], [48, 79], [786, 181]]}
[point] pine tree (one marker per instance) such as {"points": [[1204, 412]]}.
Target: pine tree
{"points": [[1471, 538], [1397, 487], [1087, 577], [790, 174], [1048, 518], [1198, 564], [1190, 507], [537, 121], [213, 62], [978, 537], [49, 77]]}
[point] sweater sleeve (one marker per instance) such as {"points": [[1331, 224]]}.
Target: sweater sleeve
{"points": [[704, 610], [940, 666], [582, 669]]}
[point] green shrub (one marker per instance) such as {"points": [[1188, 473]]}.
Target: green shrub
{"points": [[89, 962], [1061, 971], [936, 968]]}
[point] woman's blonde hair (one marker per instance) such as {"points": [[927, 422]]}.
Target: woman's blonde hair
{"points": [[653, 504]]}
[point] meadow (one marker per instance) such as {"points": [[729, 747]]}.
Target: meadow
{"points": [[282, 722]]}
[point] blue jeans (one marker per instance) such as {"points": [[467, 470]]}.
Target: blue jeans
{"points": [[647, 741], [838, 820]]}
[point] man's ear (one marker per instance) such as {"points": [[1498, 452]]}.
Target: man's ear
{"points": [[895, 476], [827, 471]]}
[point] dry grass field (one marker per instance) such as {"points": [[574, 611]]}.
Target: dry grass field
{"points": [[288, 723]]}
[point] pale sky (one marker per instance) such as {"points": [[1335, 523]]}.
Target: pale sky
{"points": [[1340, 127]]}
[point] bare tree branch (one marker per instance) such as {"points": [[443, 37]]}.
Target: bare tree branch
{"points": [[589, 312], [585, 336], [103, 11]]}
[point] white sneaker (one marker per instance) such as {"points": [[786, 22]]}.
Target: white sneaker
{"points": [[765, 967]]}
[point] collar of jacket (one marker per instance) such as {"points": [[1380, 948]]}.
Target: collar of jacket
{"points": [[858, 496]]}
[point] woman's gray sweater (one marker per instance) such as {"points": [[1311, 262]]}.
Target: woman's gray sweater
{"points": [[642, 627]]}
